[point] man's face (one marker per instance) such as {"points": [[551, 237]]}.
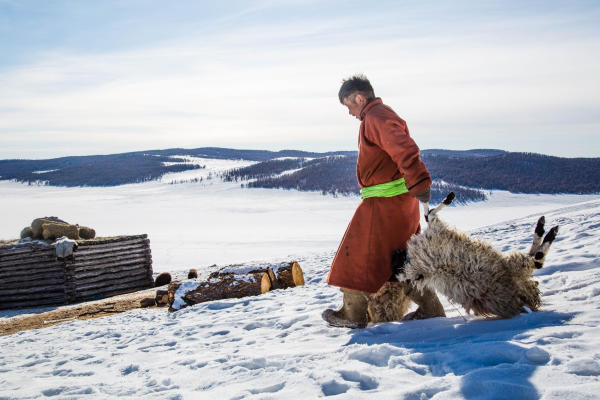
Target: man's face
{"points": [[355, 103]]}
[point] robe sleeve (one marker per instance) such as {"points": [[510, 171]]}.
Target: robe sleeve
{"points": [[391, 135]]}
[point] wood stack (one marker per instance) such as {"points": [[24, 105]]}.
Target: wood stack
{"points": [[235, 281], [31, 275], [106, 267]]}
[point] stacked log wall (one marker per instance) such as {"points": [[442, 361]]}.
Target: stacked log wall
{"points": [[31, 275], [108, 267]]}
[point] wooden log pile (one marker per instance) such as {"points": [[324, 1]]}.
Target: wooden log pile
{"points": [[235, 281], [107, 267], [31, 275]]}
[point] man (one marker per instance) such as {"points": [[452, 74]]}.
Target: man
{"points": [[392, 177]]}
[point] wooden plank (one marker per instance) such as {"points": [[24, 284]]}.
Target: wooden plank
{"points": [[34, 268], [109, 277], [28, 269], [92, 244], [95, 258], [34, 290], [111, 291], [56, 269], [88, 251], [27, 257], [59, 300], [88, 284], [30, 281], [99, 241], [24, 276], [22, 249], [45, 295], [75, 269], [108, 270]]}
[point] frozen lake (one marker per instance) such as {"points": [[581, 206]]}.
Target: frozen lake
{"points": [[197, 224]]}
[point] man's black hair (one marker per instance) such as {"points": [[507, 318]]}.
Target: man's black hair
{"points": [[356, 83]]}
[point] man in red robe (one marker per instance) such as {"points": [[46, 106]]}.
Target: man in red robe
{"points": [[393, 179]]}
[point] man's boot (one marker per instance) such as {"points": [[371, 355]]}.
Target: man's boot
{"points": [[353, 313], [428, 302]]}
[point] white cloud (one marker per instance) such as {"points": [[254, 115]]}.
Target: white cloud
{"points": [[276, 87]]}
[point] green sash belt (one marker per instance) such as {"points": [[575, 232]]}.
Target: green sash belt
{"points": [[388, 189]]}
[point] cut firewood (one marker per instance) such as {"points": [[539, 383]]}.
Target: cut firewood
{"points": [[162, 297], [235, 281]]}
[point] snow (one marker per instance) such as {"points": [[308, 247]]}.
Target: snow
{"points": [[276, 346], [182, 291]]}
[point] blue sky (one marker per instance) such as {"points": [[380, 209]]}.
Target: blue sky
{"points": [[91, 77]]}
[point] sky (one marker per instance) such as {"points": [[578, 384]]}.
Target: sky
{"points": [[89, 77]]}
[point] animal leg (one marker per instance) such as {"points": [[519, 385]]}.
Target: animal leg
{"points": [[540, 255], [428, 302], [390, 303], [447, 201], [537, 236]]}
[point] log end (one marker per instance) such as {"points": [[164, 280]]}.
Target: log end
{"points": [[297, 274], [274, 282], [265, 283]]}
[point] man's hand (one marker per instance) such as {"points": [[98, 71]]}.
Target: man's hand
{"points": [[424, 196]]}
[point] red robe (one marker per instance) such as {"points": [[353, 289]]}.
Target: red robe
{"points": [[380, 225]]}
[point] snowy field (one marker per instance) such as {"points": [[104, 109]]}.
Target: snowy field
{"points": [[276, 346]]}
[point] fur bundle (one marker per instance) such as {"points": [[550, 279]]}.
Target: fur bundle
{"points": [[471, 272]]}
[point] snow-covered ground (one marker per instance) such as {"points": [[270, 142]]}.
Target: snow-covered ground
{"points": [[275, 346]]}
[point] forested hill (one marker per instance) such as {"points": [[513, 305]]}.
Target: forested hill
{"points": [[331, 172], [460, 171], [134, 167]]}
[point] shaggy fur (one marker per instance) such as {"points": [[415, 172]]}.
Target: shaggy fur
{"points": [[36, 225], [86, 232], [26, 232], [54, 230], [471, 272], [390, 303]]}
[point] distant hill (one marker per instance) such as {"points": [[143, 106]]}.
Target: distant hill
{"points": [[124, 168], [330, 175], [467, 172]]}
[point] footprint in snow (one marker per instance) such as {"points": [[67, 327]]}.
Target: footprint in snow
{"points": [[365, 382], [333, 388]]}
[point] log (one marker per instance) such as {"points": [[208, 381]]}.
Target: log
{"points": [[116, 248], [235, 281], [28, 256], [34, 291], [55, 268], [31, 280], [94, 259], [57, 300], [28, 297], [110, 281], [162, 298], [109, 269], [117, 239], [113, 291]]}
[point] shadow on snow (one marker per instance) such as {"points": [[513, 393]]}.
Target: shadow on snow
{"points": [[481, 352]]}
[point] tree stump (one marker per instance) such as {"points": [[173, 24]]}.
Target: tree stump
{"points": [[235, 281]]}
